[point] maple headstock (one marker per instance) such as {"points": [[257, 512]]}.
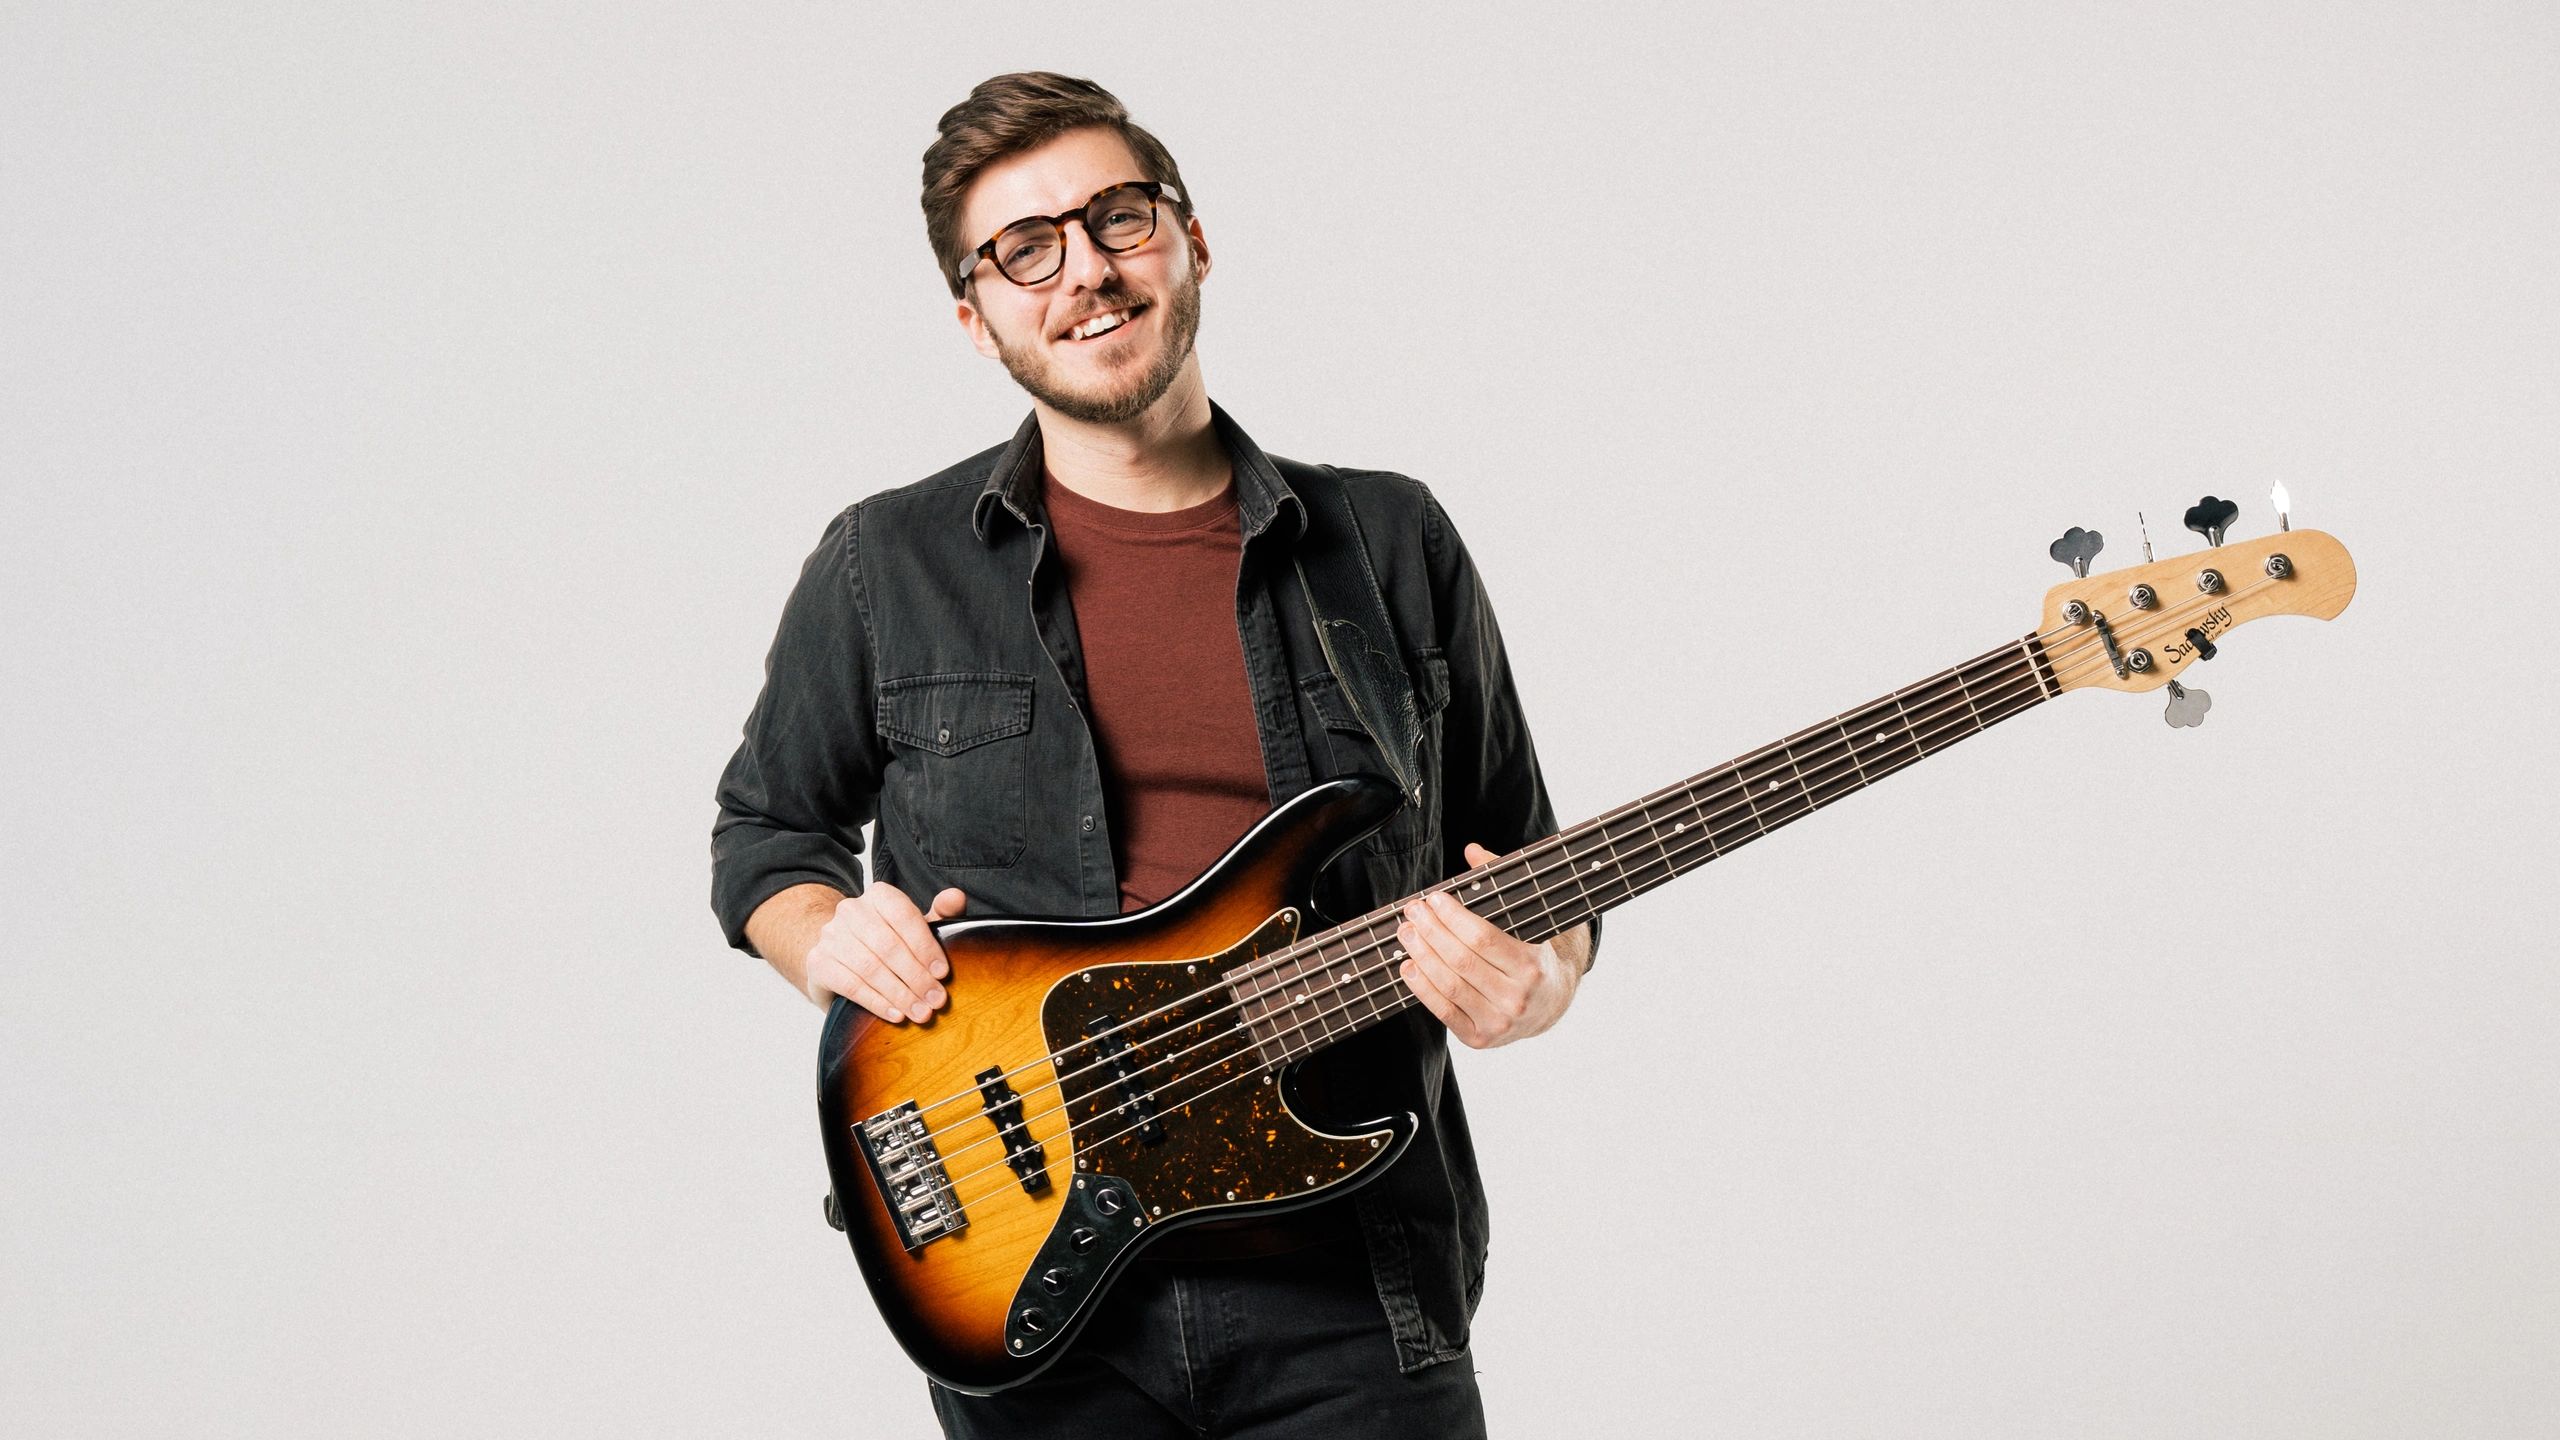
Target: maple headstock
{"points": [[2139, 628]]}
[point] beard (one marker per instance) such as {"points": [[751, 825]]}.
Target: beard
{"points": [[1114, 400]]}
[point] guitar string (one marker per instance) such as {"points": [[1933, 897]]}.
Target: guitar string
{"points": [[1393, 982], [1733, 785], [1946, 713], [1374, 944], [1377, 944], [2080, 640], [2021, 672]]}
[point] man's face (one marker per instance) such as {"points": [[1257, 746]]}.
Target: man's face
{"points": [[1113, 377]]}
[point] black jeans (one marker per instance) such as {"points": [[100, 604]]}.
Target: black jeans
{"points": [[1271, 1348]]}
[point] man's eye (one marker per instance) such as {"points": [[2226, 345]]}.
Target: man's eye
{"points": [[1024, 250], [1121, 217]]}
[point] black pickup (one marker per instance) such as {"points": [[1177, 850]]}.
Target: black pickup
{"points": [[1136, 1101], [1023, 1153]]}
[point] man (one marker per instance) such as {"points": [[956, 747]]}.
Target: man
{"points": [[1064, 676]]}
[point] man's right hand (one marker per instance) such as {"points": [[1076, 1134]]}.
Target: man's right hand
{"points": [[877, 951]]}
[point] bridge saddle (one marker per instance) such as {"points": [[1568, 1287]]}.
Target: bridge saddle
{"points": [[908, 1170]]}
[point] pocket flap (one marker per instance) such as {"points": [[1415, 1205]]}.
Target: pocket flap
{"points": [[1430, 672], [947, 714]]}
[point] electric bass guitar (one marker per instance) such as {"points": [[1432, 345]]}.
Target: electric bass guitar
{"points": [[1095, 1083]]}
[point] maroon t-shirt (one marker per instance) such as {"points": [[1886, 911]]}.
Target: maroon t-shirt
{"points": [[1154, 597]]}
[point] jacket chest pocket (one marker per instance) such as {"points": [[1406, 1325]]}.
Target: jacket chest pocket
{"points": [[962, 766], [1349, 748]]}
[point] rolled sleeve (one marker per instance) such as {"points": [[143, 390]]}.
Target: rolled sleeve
{"points": [[805, 778], [1491, 789]]}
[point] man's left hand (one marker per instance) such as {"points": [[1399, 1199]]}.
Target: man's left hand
{"points": [[1488, 987]]}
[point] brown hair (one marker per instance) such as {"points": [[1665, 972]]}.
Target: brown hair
{"points": [[1006, 116]]}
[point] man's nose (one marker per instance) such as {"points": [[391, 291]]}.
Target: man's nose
{"points": [[1086, 264]]}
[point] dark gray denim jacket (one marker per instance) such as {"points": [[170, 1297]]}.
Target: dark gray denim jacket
{"points": [[926, 675]]}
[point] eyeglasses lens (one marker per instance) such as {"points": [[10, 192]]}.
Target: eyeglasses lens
{"points": [[1118, 220]]}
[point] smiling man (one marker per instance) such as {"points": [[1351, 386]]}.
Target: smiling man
{"points": [[1063, 676]]}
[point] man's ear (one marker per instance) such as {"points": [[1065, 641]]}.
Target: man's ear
{"points": [[976, 326], [1199, 246]]}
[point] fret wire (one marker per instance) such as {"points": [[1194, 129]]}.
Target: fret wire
{"points": [[1851, 745], [1307, 994], [1967, 692], [1352, 967]]}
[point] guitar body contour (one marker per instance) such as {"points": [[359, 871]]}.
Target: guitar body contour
{"points": [[992, 1193]]}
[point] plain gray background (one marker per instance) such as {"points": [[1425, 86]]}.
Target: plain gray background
{"points": [[415, 415]]}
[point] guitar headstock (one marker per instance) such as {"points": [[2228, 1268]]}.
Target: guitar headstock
{"points": [[2141, 627]]}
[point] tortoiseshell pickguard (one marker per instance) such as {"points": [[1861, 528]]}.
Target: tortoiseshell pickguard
{"points": [[1227, 1138]]}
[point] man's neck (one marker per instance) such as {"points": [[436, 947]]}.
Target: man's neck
{"points": [[1166, 459]]}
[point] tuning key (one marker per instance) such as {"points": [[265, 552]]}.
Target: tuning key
{"points": [[2077, 548], [2211, 516], [2186, 707]]}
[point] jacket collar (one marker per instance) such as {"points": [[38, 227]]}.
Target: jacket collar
{"points": [[1013, 483]]}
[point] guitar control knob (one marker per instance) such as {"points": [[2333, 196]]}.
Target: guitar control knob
{"points": [[1109, 1200], [1032, 1318], [1083, 1237], [1053, 1279]]}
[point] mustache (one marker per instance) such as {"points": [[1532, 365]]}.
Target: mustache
{"points": [[1114, 296]]}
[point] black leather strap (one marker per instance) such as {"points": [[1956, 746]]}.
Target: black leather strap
{"points": [[1359, 642]]}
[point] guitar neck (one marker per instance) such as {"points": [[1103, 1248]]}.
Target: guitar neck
{"points": [[1344, 979]]}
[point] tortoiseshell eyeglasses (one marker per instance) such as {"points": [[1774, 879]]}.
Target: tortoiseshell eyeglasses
{"points": [[1118, 219]]}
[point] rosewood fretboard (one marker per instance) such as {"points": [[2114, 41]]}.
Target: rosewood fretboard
{"points": [[1344, 980]]}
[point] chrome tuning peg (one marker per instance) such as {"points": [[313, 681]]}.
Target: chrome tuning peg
{"points": [[2211, 516], [2077, 548], [2186, 707]]}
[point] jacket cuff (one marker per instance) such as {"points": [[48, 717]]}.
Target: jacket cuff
{"points": [[746, 872]]}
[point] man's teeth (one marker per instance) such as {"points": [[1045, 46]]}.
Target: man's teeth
{"points": [[1099, 325]]}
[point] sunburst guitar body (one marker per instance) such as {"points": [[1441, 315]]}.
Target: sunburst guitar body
{"points": [[1091, 1084]]}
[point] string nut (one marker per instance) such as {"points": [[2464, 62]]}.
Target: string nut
{"points": [[2143, 597], [2280, 567], [2209, 581], [2075, 612], [2138, 661]]}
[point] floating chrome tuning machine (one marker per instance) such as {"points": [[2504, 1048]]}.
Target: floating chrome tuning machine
{"points": [[2186, 707], [2077, 548], [2211, 516]]}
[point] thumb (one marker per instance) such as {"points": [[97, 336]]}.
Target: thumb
{"points": [[947, 904], [1478, 855]]}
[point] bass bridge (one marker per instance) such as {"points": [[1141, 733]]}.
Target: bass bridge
{"points": [[908, 1170]]}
